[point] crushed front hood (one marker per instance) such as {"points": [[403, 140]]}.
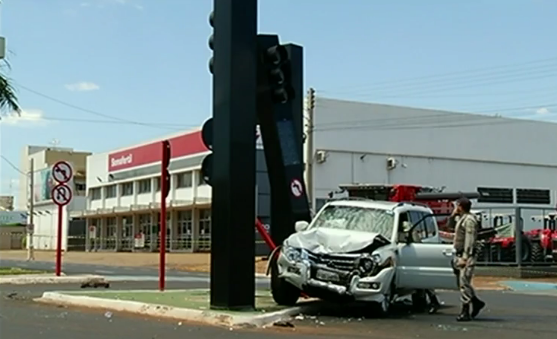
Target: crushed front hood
{"points": [[328, 240]]}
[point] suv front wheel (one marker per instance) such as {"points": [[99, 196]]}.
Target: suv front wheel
{"points": [[284, 293]]}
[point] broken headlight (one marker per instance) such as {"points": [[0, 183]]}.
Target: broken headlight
{"points": [[293, 254], [365, 264]]}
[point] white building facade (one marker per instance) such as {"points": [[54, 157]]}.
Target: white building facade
{"points": [[45, 212], [380, 144], [123, 197]]}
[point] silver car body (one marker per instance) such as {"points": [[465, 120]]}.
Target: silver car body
{"points": [[316, 259]]}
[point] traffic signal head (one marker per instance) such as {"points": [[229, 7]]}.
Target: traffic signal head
{"points": [[207, 138], [274, 68], [207, 169], [211, 40], [165, 180]]}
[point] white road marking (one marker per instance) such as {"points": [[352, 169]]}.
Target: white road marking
{"points": [[115, 278], [104, 272]]}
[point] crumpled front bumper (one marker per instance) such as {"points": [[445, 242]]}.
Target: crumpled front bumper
{"points": [[373, 288]]}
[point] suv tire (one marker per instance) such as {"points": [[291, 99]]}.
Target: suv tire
{"points": [[284, 293]]}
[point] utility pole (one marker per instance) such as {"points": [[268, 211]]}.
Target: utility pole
{"points": [[309, 146], [31, 225]]}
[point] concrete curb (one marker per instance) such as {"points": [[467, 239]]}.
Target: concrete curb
{"points": [[50, 279], [162, 311]]}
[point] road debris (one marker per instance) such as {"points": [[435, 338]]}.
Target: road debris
{"points": [[283, 324], [95, 283]]}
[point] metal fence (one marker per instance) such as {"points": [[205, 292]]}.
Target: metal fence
{"points": [[536, 245], [150, 243]]}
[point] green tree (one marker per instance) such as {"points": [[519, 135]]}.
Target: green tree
{"points": [[8, 97]]}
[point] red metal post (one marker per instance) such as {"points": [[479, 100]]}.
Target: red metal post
{"points": [[162, 259], [266, 237], [59, 242]]}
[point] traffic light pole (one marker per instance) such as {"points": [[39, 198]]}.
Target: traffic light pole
{"points": [[281, 130], [233, 173]]}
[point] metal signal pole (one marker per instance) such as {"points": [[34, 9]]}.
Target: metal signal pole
{"points": [[31, 225]]}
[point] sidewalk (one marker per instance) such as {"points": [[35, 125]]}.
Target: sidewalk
{"points": [[193, 262]]}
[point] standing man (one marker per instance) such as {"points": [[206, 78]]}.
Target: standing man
{"points": [[466, 231]]}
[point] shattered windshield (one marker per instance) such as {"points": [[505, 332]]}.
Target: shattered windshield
{"points": [[357, 219]]}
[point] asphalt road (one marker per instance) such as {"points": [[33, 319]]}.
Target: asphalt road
{"points": [[120, 273], [70, 268], [509, 316]]}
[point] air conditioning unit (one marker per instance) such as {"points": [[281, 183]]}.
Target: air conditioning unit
{"points": [[391, 163], [321, 157]]}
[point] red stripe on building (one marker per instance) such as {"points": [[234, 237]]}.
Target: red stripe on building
{"points": [[183, 145]]}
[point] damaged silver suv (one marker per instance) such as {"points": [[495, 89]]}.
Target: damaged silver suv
{"points": [[363, 250]]}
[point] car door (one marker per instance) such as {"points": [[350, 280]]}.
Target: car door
{"points": [[425, 263]]}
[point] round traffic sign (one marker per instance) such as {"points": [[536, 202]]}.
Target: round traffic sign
{"points": [[61, 195], [296, 188], [62, 172]]}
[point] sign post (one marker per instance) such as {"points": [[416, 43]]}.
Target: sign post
{"points": [[61, 196], [165, 188]]}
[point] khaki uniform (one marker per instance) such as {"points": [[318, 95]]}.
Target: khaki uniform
{"points": [[466, 233]]}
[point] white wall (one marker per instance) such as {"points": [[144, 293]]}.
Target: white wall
{"points": [[46, 223], [345, 125], [432, 148], [348, 167], [97, 169]]}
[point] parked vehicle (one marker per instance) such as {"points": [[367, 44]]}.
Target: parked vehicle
{"points": [[544, 240], [363, 250]]}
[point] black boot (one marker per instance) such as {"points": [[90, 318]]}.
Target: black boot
{"points": [[464, 313], [477, 306], [434, 304]]}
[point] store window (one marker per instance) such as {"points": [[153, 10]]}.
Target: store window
{"points": [[80, 186], [200, 181], [205, 229], [184, 179], [111, 229], [158, 184], [144, 186], [127, 189], [110, 191], [95, 193], [185, 224]]}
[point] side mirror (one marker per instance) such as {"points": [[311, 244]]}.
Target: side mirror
{"points": [[301, 226]]}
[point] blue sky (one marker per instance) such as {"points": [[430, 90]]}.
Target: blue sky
{"points": [[85, 69]]}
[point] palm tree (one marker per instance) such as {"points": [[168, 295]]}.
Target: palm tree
{"points": [[8, 97]]}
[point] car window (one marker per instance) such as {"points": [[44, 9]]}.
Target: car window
{"points": [[356, 219], [417, 219], [402, 232], [431, 230]]}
